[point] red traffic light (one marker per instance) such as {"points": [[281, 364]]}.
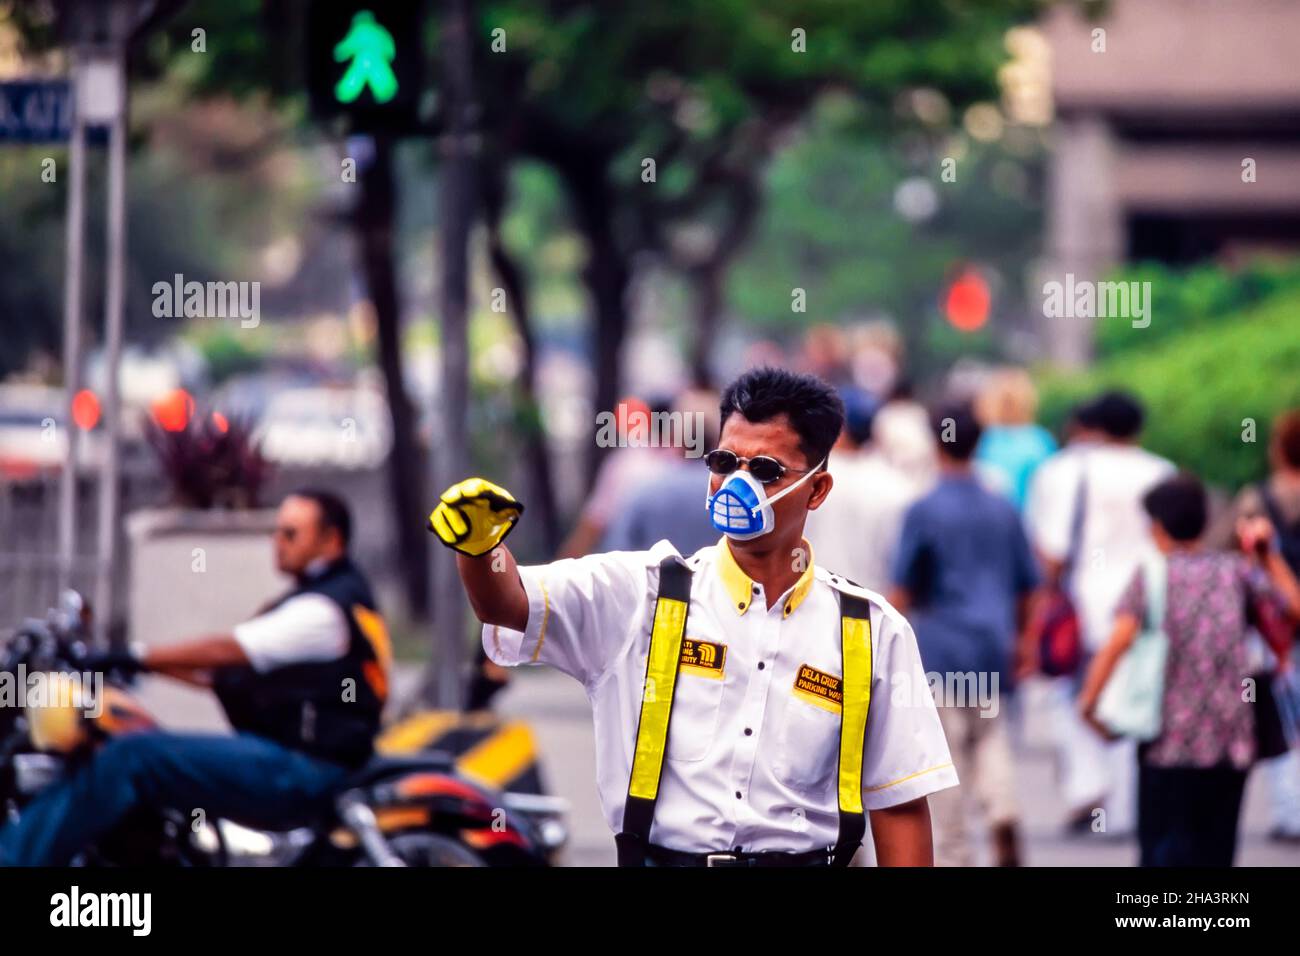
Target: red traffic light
{"points": [[966, 306], [85, 409]]}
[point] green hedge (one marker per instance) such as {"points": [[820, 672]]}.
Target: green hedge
{"points": [[1200, 387], [1189, 299]]}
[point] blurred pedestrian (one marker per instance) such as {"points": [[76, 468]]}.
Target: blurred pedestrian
{"points": [[1278, 499], [671, 505], [1191, 775], [901, 431], [964, 576], [633, 461], [1012, 445], [1088, 525], [825, 354], [855, 531]]}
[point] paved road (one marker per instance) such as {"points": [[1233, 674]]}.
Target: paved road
{"points": [[558, 711]]}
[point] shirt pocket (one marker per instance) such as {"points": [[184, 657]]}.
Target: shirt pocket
{"points": [[808, 744], [697, 704]]}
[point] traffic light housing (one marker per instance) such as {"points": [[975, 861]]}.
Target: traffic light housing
{"points": [[365, 62]]}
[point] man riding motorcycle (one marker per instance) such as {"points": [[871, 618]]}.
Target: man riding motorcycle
{"points": [[303, 683]]}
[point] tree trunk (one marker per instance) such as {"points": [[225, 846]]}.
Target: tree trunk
{"points": [[706, 306], [375, 223], [708, 277], [541, 500], [606, 276]]}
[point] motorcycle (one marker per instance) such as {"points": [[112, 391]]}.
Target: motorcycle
{"points": [[400, 809]]}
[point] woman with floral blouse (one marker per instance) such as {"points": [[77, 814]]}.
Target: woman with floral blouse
{"points": [[1191, 776]]}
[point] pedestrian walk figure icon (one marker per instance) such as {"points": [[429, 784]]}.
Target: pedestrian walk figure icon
{"points": [[371, 49]]}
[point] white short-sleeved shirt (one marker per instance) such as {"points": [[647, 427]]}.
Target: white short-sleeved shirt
{"points": [[752, 759], [306, 627], [1115, 531]]}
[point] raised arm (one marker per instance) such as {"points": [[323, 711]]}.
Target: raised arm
{"points": [[472, 518], [495, 591]]}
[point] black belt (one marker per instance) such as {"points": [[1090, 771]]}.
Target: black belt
{"points": [[664, 856]]}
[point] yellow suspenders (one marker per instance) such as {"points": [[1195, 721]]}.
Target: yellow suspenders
{"points": [[666, 633], [855, 649], [660, 680]]}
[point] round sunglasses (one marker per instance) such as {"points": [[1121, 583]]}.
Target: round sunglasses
{"points": [[764, 468]]}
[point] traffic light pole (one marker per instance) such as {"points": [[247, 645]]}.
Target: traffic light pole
{"points": [[459, 192], [109, 498], [72, 318], [99, 33]]}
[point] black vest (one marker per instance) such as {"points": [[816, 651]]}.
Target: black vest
{"points": [[329, 709]]}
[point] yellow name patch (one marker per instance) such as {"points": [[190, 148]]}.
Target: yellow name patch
{"points": [[703, 657], [823, 689]]}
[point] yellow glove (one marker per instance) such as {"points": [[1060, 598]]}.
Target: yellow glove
{"points": [[474, 516]]}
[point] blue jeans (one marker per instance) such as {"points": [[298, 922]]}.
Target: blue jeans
{"points": [[244, 778]]}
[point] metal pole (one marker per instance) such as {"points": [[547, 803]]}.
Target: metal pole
{"points": [[115, 293], [72, 316], [451, 457]]}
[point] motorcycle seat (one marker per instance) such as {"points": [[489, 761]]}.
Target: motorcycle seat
{"points": [[388, 765]]}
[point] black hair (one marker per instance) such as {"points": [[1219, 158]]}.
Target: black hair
{"points": [[860, 408], [334, 511], [956, 429], [1084, 415], [1179, 506], [813, 409], [1117, 414]]}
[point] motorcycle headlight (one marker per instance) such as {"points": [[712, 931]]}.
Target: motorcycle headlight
{"points": [[249, 847], [54, 713]]}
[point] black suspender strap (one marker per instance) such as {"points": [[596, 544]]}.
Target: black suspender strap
{"points": [[666, 633]]}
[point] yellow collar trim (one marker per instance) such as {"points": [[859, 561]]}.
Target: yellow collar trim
{"points": [[740, 587]]}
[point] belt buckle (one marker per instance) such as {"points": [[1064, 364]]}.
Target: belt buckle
{"points": [[719, 859]]}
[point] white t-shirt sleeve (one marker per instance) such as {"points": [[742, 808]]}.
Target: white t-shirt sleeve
{"points": [[580, 613], [1050, 507], [907, 753], [305, 628]]}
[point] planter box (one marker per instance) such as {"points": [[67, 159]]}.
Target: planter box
{"points": [[195, 574]]}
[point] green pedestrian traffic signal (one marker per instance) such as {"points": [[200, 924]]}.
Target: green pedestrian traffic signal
{"points": [[364, 64], [368, 49]]}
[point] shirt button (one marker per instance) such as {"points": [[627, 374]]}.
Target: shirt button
{"points": [[761, 665], [749, 731], [738, 796], [755, 588]]}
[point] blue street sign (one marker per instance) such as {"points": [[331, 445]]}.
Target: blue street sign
{"points": [[36, 111]]}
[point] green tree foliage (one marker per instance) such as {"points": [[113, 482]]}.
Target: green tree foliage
{"points": [[1206, 389], [830, 226]]}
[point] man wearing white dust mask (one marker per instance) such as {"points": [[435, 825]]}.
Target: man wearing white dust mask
{"points": [[730, 688]]}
